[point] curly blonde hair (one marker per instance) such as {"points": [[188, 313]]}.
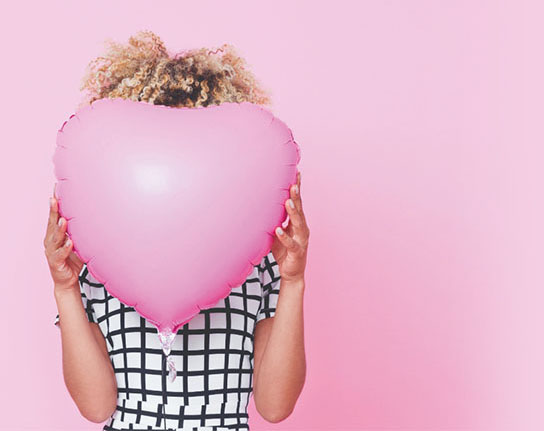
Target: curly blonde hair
{"points": [[144, 70]]}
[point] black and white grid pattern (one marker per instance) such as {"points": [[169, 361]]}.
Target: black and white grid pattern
{"points": [[213, 355]]}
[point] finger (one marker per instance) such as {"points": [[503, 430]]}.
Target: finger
{"points": [[53, 211], [295, 217], [289, 228], [75, 259], [52, 220], [57, 235], [286, 239], [294, 193], [59, 256], [297, 200]]}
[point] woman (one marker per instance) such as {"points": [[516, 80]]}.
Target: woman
{"points": [[249, 343]]}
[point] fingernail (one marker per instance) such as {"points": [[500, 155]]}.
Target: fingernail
{"points": [[296, 189], [60, 221], [291, 204], [68, 242], [279, 230]]}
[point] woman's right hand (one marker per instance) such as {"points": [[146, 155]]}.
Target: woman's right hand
{"points": [[64, 264]]}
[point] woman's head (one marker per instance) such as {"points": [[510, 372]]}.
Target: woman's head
{"points": [[143, 70]]}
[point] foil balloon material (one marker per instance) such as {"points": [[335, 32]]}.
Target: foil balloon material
{"points": [[171, 207]]}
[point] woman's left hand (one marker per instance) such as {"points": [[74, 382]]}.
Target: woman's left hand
{"points": [[290, 245]]}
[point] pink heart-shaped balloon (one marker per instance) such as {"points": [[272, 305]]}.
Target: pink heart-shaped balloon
{"points": [[172, 207]]}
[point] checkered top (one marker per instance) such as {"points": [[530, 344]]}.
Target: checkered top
{"points": [[213, 356]]}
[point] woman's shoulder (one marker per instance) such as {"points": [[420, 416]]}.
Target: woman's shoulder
{"points": [[269, 270], [267, 262], [92, 288]]}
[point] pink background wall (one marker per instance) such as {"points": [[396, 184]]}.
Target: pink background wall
{"points": [[421, 179]]}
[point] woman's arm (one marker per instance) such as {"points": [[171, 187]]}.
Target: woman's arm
{"points": [[87, 369], [280, 363], [279, 356], [88, 372]]}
